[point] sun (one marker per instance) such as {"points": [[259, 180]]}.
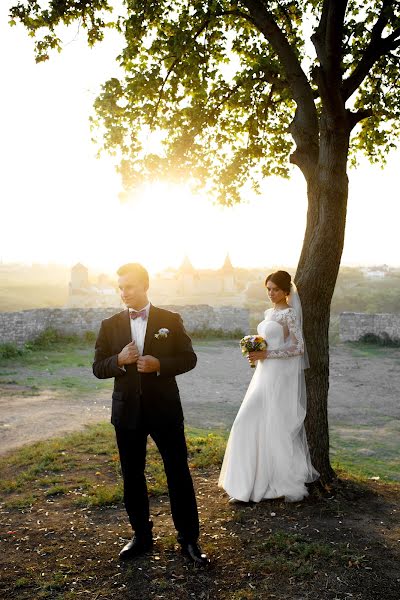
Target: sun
{"points": [[162, 222]]}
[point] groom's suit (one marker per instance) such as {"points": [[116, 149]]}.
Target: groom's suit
{"points": [[149, 404]]}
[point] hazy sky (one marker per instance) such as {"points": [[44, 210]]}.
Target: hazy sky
{"points": [[60, 204]]}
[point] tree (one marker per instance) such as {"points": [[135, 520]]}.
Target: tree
{"points": [[238, 88]]}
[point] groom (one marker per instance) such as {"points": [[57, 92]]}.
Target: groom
{"points": [[143, 348]]}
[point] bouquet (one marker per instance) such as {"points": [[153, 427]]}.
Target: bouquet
{"points": [[252, 343]]}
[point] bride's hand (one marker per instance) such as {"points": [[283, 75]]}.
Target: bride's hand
{"points": [[260, 355]]}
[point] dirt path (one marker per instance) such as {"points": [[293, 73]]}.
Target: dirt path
{"points": [[364, 392]]}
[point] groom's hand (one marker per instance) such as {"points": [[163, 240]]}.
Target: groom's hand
{"points": [[128, 355], [148, 364]]}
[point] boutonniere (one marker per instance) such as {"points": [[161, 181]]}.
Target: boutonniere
{"points": [[162, 333]]}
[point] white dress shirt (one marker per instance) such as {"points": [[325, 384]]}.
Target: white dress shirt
{"points": [[138, 328]]}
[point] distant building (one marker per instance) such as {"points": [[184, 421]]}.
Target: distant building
{"points": [[82, 294], [79, 278], [378, 272], [185, 285], [188, 285]]}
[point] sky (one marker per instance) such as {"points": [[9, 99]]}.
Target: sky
{"points": [[60, 204]]}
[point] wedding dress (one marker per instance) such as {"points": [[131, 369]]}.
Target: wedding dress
{"points": [[267, 453]]}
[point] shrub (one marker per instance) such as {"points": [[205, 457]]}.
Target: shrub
{"points": [[90, 336], [10, 351], [380, 340], [51, 337]]}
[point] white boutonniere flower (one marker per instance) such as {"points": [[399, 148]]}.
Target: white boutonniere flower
{"points": [[162, 333]]}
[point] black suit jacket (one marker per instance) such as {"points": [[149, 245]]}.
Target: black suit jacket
{"points": [[148, 396]]}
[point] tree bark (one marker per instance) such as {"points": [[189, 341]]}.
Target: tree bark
{"points": [[316, 275]]}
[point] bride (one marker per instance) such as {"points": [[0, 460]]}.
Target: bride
{"points": [[267, 454]]}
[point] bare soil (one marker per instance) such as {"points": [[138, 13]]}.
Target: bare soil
{"points": [[339, 545]]}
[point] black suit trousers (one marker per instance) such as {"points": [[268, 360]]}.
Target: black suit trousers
{"points": [[171, 444]]}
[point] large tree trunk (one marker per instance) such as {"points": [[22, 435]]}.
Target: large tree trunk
{"points": [[316, 277]]}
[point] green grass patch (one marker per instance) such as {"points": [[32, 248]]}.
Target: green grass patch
{"points": [[366, 451], [298, 556], [22, 582], [56, 490], [65, 366], [102, 495], [364, 349], [21, 502], [205, 450]]}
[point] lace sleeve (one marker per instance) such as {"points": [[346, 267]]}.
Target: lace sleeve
{"points": [[294, 345]]}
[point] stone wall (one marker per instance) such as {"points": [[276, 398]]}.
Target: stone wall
{"points": [[20, 327], [353, 326]]}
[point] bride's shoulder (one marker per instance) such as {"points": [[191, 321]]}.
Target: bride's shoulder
{"points": [[268, 311], [290, 314]]}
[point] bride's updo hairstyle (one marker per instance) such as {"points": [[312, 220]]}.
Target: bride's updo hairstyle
{"points": [[282, 279]]}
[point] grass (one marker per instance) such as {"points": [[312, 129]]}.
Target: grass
{"points": [[52, 362], [86, 466], [370, 350], [367, 450]]}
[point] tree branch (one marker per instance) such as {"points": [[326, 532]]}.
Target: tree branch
{"points": [[305, 129], [328, 44], [334, 35], [319, 36], [199, 31], [356, 117], [393, 38], [376, 48], [275, 83]]}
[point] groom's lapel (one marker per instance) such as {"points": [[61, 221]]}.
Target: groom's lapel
{"points": [[124, 328], [152, 327]]}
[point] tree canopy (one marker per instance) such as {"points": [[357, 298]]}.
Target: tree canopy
{"points": [[232, 87]]}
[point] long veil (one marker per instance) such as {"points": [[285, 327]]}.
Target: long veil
{"points": [[294, 302]]}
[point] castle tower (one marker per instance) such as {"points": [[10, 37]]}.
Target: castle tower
{"points": [[79, 278], [186, 277], [228, 276]]}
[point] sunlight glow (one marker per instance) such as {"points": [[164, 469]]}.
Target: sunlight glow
{"points": [[60, 204]]}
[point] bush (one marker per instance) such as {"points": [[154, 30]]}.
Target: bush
{"points": [[10, 351], [380, 340], [89, 336], [47, 340], [51, 337]]}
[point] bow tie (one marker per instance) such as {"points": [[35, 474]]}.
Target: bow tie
{"points": [[137, 313]]}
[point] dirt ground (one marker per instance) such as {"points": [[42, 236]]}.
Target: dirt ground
{"points": [[364, 391], [341, 543]]}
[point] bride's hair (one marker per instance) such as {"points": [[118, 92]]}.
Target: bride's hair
{"points": [[282, 279]]}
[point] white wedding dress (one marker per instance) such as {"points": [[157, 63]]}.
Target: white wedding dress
{"points": [[267, 454]]}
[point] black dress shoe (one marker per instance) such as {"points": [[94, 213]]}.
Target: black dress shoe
{"points": [[193, 551], [136, 547]]}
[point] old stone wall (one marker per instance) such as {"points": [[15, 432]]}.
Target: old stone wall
{"points": [[26, 325], [353, 326]]}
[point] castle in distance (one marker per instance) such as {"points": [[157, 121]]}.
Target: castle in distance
{"points": [[185, 285]]}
